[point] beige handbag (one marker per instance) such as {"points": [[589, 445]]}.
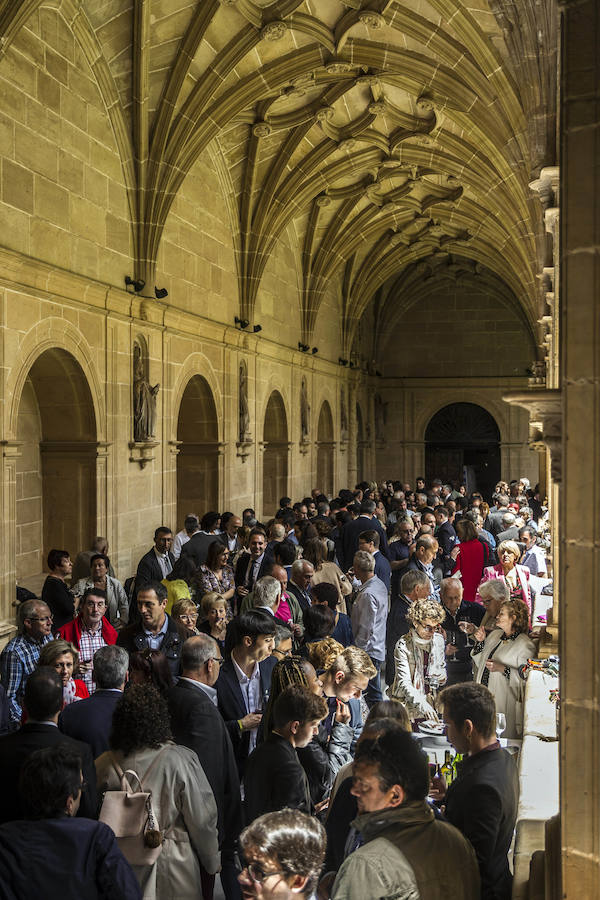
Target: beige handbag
{"points": [[130, 815]]}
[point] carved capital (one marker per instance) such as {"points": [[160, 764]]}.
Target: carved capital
{"points": [[545, 423]]}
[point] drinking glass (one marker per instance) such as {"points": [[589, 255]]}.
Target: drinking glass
{"points": [[500, 724], [464, 626]]}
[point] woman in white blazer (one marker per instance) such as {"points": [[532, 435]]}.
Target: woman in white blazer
{"points": [[420, 661]]}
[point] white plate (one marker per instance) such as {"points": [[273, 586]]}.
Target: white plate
{"points": [[434, 729]]}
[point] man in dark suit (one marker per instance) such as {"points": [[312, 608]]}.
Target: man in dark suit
{"points": [[274, 776], [245, 680], [348, 544], [196, 723], [251, 566], [90, 720], [459, 664], [157, 630], [158, 562], [197, 546], [482, 800], [300, 575], [446, 538], [43, 701], [52, 854], [369, 541]]}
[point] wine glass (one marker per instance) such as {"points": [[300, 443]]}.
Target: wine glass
{"points": [[451, 639], [464, 627], [434, 683], [500, 724]]}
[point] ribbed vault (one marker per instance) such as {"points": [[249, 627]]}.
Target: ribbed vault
{"points": [[382, 132]]}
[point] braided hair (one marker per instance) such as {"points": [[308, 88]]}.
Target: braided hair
{"points": [[289, 670]]}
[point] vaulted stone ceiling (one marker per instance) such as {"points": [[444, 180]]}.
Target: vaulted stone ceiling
{"points": [[384, 134]]}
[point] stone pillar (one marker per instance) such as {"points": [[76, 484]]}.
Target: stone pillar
{"points": [[10, 452], [580, 384]]}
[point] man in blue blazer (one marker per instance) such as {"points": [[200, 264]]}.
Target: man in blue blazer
{"points": [[90, 720], [244, 683]]}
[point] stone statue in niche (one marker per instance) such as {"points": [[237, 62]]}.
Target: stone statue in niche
{"points": [[244, 413], [343, 416], [380, 417], [304, 411], [144, 399]]}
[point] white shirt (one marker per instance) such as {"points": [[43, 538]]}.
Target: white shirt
{"points": [[535, 560], [251, 693], [210, 691], [164, 562], [181, 538]]}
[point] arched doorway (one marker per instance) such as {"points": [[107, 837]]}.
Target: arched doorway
{"points": [[275, 457], [462, 443], [325, 450], [56, 469], [198, 457], [360, 445]]}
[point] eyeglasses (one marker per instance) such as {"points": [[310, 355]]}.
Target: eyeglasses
{"points": [[283, 653], [258, 874], [39, 618], [187, 617], [218, 659], [429, 628]]}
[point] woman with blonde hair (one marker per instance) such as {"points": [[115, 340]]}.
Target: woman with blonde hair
{"points": [[325, 571], [345, 673], [214, 612], [515, 577], [498, 659], [420, 661], [63, 658], [185, 613]]}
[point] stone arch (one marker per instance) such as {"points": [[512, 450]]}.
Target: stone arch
{"points": [[276, 448], [198, 445], [56, 491], [325, 447], [53, 334], [462, 443], [195, 364]]}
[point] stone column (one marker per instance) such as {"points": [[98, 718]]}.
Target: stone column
{"points": [[580, 383]]}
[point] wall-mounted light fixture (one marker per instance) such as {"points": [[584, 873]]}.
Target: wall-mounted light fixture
{"points": [[314, 350], [136, 285], [160, 293], [303, 347], [241, 323], [342, 362]]}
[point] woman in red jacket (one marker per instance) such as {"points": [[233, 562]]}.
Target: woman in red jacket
{"points": [[470, 559]]}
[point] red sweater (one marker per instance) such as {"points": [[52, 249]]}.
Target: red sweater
{"points": [[72, 632]]}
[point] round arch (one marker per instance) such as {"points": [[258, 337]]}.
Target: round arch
{"points": [[198, 456], [462, 444], [56, 490], [325, 446], [275, 457]]}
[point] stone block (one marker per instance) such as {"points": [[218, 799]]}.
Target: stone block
{"points": [[57, 66], [85, 257], [34, 152], [75, 141], [73, 109], [117, 233], [70, 172], [48, 91], [15, 229], [87, 219], [20, 70], [95, 186], [51, 201], [50, 243], [17, 186]]}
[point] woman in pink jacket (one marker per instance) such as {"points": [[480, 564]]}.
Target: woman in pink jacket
{"points": [[515, 577]]}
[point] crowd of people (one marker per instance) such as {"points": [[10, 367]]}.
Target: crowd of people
{"points": [[261, 690]]}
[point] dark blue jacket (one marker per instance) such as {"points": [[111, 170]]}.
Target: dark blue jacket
{"points": [[348, 543], [90, 720], [72, 859], [383, 570]]}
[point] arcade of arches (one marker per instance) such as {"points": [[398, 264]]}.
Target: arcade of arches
{"points": [[353, 202]]}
